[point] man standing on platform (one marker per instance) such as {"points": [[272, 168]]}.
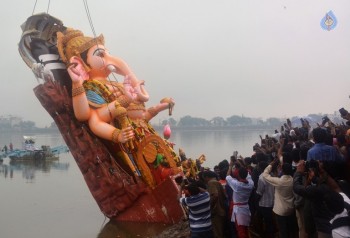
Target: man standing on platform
{"points": [[198, 203]]}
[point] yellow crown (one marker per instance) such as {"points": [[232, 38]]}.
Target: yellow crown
{"points": [[73, 42]]}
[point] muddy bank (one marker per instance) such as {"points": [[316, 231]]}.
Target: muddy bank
{"points": [[180, 230]]}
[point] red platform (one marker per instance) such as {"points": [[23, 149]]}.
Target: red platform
{"points": [[157, 205]]}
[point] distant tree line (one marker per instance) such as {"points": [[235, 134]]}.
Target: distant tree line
{"points": [[242, 121], [18, 125], [7, 124]]}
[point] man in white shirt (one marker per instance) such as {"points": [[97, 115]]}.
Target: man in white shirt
{"points": [[242, 187], [284, 198]]}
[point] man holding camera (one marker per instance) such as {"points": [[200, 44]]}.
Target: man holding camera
{"points": [[331, 158], [314, 191], [198, 204], [321, 151], [284, 198]]}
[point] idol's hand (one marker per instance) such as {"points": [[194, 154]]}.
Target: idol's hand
{"points": [[126, 134]]}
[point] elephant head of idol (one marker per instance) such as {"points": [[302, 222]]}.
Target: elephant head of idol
{"points": [[92, 59]]}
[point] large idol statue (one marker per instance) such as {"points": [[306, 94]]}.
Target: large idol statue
{"points": [[114, 111], [126, 165]]}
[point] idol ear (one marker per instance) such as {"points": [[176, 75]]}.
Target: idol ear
{"points": [[76, 61], [76, 69]]}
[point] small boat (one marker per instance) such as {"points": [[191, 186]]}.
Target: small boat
{"points": [[31, 152], [60, 149]]}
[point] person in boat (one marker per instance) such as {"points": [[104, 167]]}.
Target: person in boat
{"points": [[5, 149], [114, 111]]}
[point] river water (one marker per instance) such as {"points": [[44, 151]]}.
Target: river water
{"points": [[52, 200]]}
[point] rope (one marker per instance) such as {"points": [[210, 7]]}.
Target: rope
{"points": [[89, 17], [48, 6], [94, 32], [34, 6]]}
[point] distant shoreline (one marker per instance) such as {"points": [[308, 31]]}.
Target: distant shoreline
{"points": [[156, 127]]}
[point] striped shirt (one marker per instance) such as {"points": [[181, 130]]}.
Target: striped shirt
{"points": [[323, 152], [266, 191], [199, 211]]}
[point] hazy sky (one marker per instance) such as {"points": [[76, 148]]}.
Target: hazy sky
{"points": [[258, 58]]}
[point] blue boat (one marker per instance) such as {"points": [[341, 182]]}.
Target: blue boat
{"points": [[31, 152]]}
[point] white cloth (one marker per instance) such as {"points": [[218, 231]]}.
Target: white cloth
{"points": [[241, 194], [343, 231]]}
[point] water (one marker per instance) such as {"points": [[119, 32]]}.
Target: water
{"points": [[52, 199]]}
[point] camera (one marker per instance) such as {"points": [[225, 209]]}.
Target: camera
{"points": [[186, 182], [304, 122], [343, 112], [325, 119], [270, 142], [256, 147], [275, 163], [311, 164], [179, 180]]}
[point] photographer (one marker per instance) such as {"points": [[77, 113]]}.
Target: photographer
{"points": [[344, 114], [314, 192], [284, 199], [265, 199], [329, 155], [197, 199]]}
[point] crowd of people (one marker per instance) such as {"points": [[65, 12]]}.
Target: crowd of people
{"points": [[296, 183]]}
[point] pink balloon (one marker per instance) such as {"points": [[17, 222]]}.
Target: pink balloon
{"points": [[167, 131]]}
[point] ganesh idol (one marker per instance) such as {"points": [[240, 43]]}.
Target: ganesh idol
{"points": [[115, 111]]}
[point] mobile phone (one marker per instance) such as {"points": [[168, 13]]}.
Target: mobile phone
{"points": [[343, 112]]}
